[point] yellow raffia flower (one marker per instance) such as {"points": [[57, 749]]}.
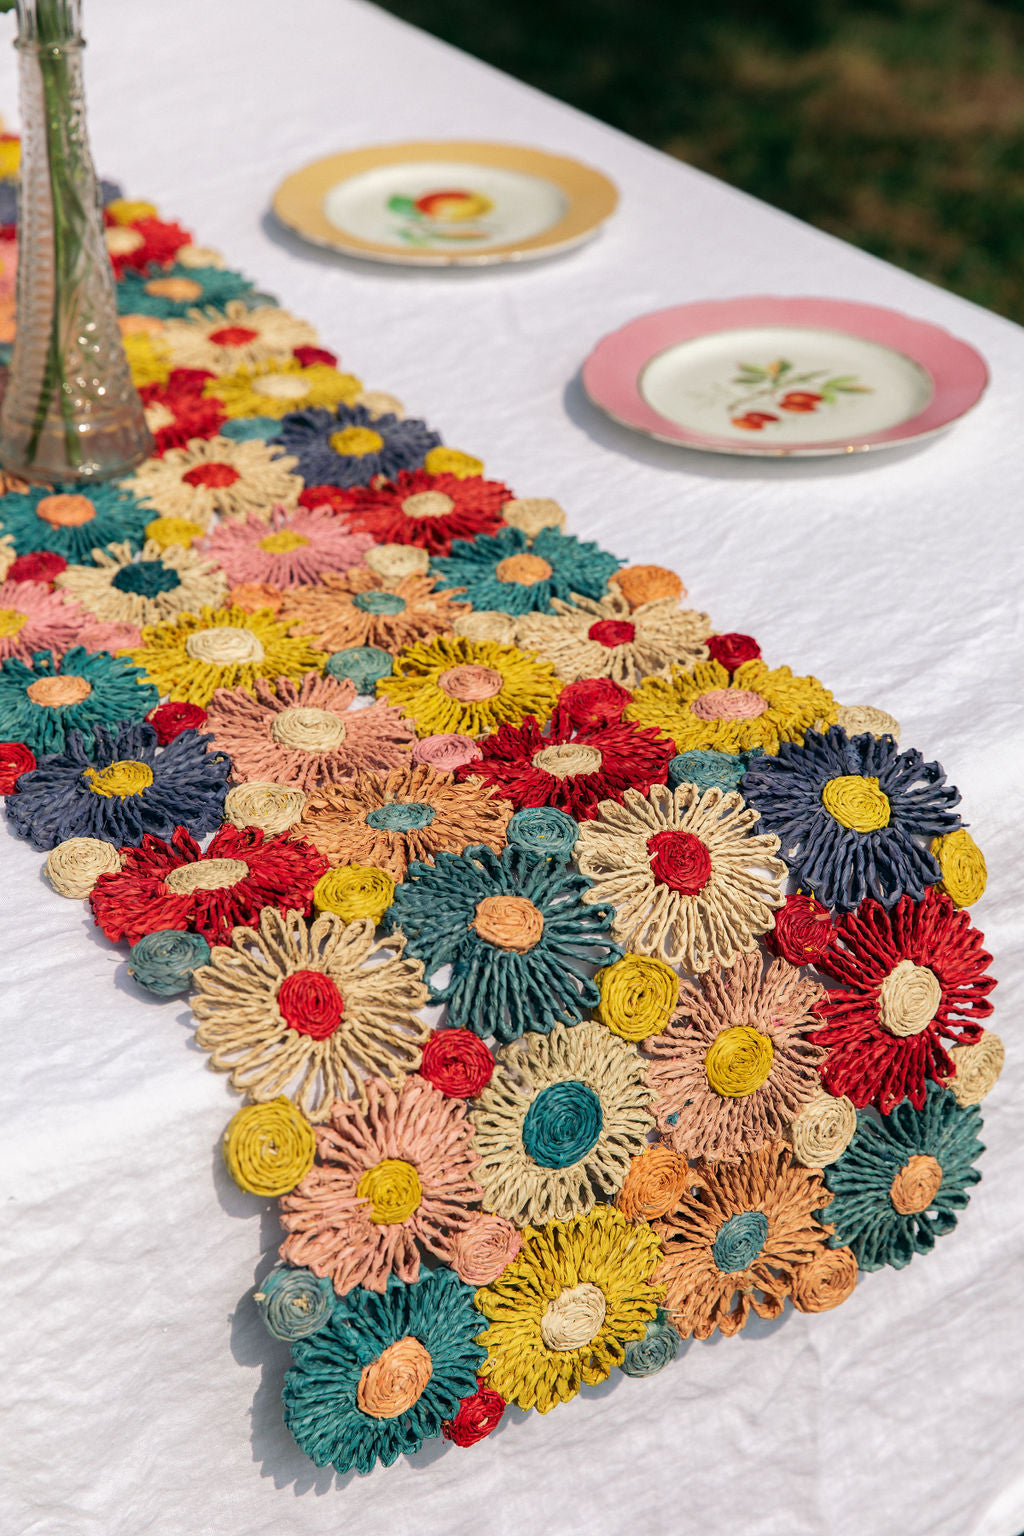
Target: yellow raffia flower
{"points": [[10, 157], [125, 210], [188, 657], [962, 863], [274, 388], [469, 686], [169, 531], [222, 341], [269, 1148], [706, 709], [564, 1309], [149, 361], [354, 891], [449, 461]]}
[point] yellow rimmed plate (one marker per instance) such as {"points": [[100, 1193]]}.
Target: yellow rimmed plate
{"points": [[446, 204]]}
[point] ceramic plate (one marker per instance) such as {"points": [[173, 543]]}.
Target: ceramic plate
{"points": [[771, 376], [446, 204]]}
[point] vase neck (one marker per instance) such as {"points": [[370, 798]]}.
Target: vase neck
{"points": [[49, 23]]}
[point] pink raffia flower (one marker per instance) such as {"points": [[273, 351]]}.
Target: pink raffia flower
{"points": [[386, 1183], [307, 735], [100, 635], [35, 618], [293, 549]]}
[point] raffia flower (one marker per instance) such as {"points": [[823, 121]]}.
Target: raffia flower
{"points": [[754, 706], [558, 1123], [310, 1010], [274, 387], [612, 639], [35, 618], [216, 476], [424, 509], [412, 813], [469, 688], [43, 699], [177, 289], [976, 1068], [176, 411], [690, 880], [364, 609], [286, 549], [739, 1240], [191, 656], [71, 522], [503, 572], [485, 1248], [736, 1063], [562, 1313], [654, 1185], [306, 735], [159, 585], [347, 446], [222, 341], [390, 1178]]}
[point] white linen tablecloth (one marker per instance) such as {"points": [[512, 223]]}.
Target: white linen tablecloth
{"points": [[141, 1395]]}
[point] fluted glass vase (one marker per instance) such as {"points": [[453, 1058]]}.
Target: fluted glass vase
{"points": [[70, 412]]}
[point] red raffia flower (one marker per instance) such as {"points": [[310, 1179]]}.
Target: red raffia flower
{"points": [[176, 885], [424, 509], [177, 411], [458, 1062], [478, 1415], [593, 701], [307, 356], [803, 932], [910, 978], [169, 720], [732, 650], [573, 770], [145, 243], [15, 759], [40, 565]]}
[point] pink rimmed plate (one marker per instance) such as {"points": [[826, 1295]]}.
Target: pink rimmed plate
{"points": [[784, 377]]}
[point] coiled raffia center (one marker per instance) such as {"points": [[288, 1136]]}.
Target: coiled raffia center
{"points": [[856, 802], [470, 684], [356, 442], [392, 1383], [283, 542], [908, 999], [280, 386], [916, 1184], [738, 1061], [225, 646], [428, 504], [12, 621], [54, 692], [739, 1241], [522, 570], [206, 875], [729, 704], [573, 1319], [120, 779], [567, 759], [66, 510], [393, 1190], [509, 922], [308, 730]]}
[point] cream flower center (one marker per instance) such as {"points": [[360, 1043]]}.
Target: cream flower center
{"points": [[158, 416], [280, 386], [428, 504], [567, 759], [225, 646], [574, 1318], [206, 875], [908, 999], [308, 730]]}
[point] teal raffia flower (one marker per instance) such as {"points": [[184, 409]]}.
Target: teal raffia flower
{"points": [[73, 521], [41, 701], [505, 572], [170, 293]]}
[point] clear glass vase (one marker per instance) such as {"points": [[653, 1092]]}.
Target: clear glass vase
{"points": [[70, 412]]}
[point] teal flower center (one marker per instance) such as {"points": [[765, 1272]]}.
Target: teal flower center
{"points": [[408, 817], [146, 579], [739, 1241], [562, 1124], [379, 602]]}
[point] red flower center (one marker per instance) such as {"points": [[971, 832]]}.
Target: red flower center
{"points": [[611, 632], [233, 336], [457, 1062], [679, 860], [310, 1003], [214, 476], [39, 565]]}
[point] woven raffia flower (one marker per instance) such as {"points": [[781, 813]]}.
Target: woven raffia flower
{"points": [[287, 549], [306, 735], [274, 387], [755, 706], [469, 687], [350, 446], [423, 509], [571, 770], [504, 572], [216, 476], [738, 1059], [856, 817], [411, 813], [610, 639], [33, 617], [143, 243], [389, 1179], [738, 1240], [562, 1313], [191, 656], [558, 1123], [176, 410], [235, 337], [909, 979], [385, 1374], [172, 293], [71, 522], [514, 930], [478, 1416], [688, 877], [310, 1010], [364, 609], [120, 788], [901, 1181], [41, 700], [159, 585], [176, 885]]}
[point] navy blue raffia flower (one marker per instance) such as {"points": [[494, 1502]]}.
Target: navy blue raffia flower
{"points": [[434, 1321], [71, 521], [514, 929], [350, 447], [901, 1181], [503, 571], [43, 700], [856, 816], [170, 293], [121, 787]]}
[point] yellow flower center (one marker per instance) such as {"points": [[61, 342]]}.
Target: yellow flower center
{"points": [[119, 780], [354, 891], [393, 1190], [11, 621], [856, 802], [173, 530], [738, 1061], [122, 241], [283, 543], [356, 442]]}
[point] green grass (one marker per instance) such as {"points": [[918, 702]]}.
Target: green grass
{"points": [[897, 125]]}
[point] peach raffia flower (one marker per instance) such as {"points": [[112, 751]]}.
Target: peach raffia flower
{"points": [[307, 734], [216, 476], [287, 548], [708, 708], [388, 1181], [160, 584], [611, 639], [362, 608], [187, 658]]}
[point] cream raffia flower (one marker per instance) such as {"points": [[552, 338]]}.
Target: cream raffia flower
{"points": [[215, 475], [706, 708], [361, 608], [160, 584], [188, 657], [737, 1062], [611, 639], [222, 341], [310, 1010], [689, 879], [273, 388], [558, 1123]]}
